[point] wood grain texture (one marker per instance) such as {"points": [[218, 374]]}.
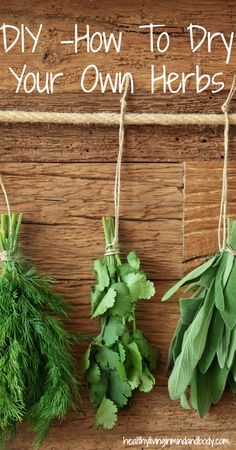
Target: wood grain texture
{"points": [[63, 193], [69, 201], [164, 419], [62, 178], [202, 206], [66, 144]]}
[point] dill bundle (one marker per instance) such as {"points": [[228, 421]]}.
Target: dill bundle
{"points": [[37, 380], [119, 359]]}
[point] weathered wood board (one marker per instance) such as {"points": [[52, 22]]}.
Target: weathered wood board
{"points": [[62, 177]]}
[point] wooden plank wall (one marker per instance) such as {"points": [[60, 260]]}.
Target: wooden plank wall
{"points": [[61, 177]]}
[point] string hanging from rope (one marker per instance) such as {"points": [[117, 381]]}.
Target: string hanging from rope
{"points": [[222, 228], [114, 247]]}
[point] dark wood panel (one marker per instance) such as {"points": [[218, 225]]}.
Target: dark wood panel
{"points": [[67, 143], [62, 193]]}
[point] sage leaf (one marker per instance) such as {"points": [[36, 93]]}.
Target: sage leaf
{"points": [[192, 349], [202, 352], [191, 277], [213, 338]]}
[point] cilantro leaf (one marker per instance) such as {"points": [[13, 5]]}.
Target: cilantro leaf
{"points": [[142, 343], [146, 350], [113, 330], [106, 414], [139, 287], [133, 365], [97, 391], [121, 352], [102, 276], [107, 302], [147, 380], [95, 298], [107, 358], [93, 374], [133, 260], [120, 391], [85, 360], [120, 358], [121, 371], [124, 269], [123, 300]]}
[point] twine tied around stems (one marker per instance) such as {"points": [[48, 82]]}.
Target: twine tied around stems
{"points": [[230, 250], [222, 228], [113, 248]]}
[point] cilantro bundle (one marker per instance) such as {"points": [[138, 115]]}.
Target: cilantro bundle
{"points": [[119, 359], [202, 351], [37, 381]]}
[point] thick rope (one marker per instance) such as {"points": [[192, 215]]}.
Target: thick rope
{"points": [[222, 228], [111, 119]]}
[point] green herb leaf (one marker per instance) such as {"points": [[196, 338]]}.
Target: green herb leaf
{"points": [[192, 349], [133, 260], [147, 380], [123, 300], [191, 277], [120, 358], [113, 330], [93, 374], [213, 337], [85, 360], [139, 287], [107, 358], [102, 275], [120, 391], [106, 414], [133, 365], [106, 302]]}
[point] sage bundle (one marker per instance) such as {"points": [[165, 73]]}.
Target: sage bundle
{"points": [[37, 379], [120, 359], [203, 348], [202, 352]]}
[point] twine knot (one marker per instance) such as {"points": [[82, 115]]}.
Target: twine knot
{"points": [[7, 256], [123, 101], [230, 250], [4, 256], [112, 249], [225, 107]]}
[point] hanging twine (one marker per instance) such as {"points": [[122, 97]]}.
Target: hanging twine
{"points": [[222, 228], [113, 248]]}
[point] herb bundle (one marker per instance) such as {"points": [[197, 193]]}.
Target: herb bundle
{"points": [[37, 381], [119, 359], [202, 351]]}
